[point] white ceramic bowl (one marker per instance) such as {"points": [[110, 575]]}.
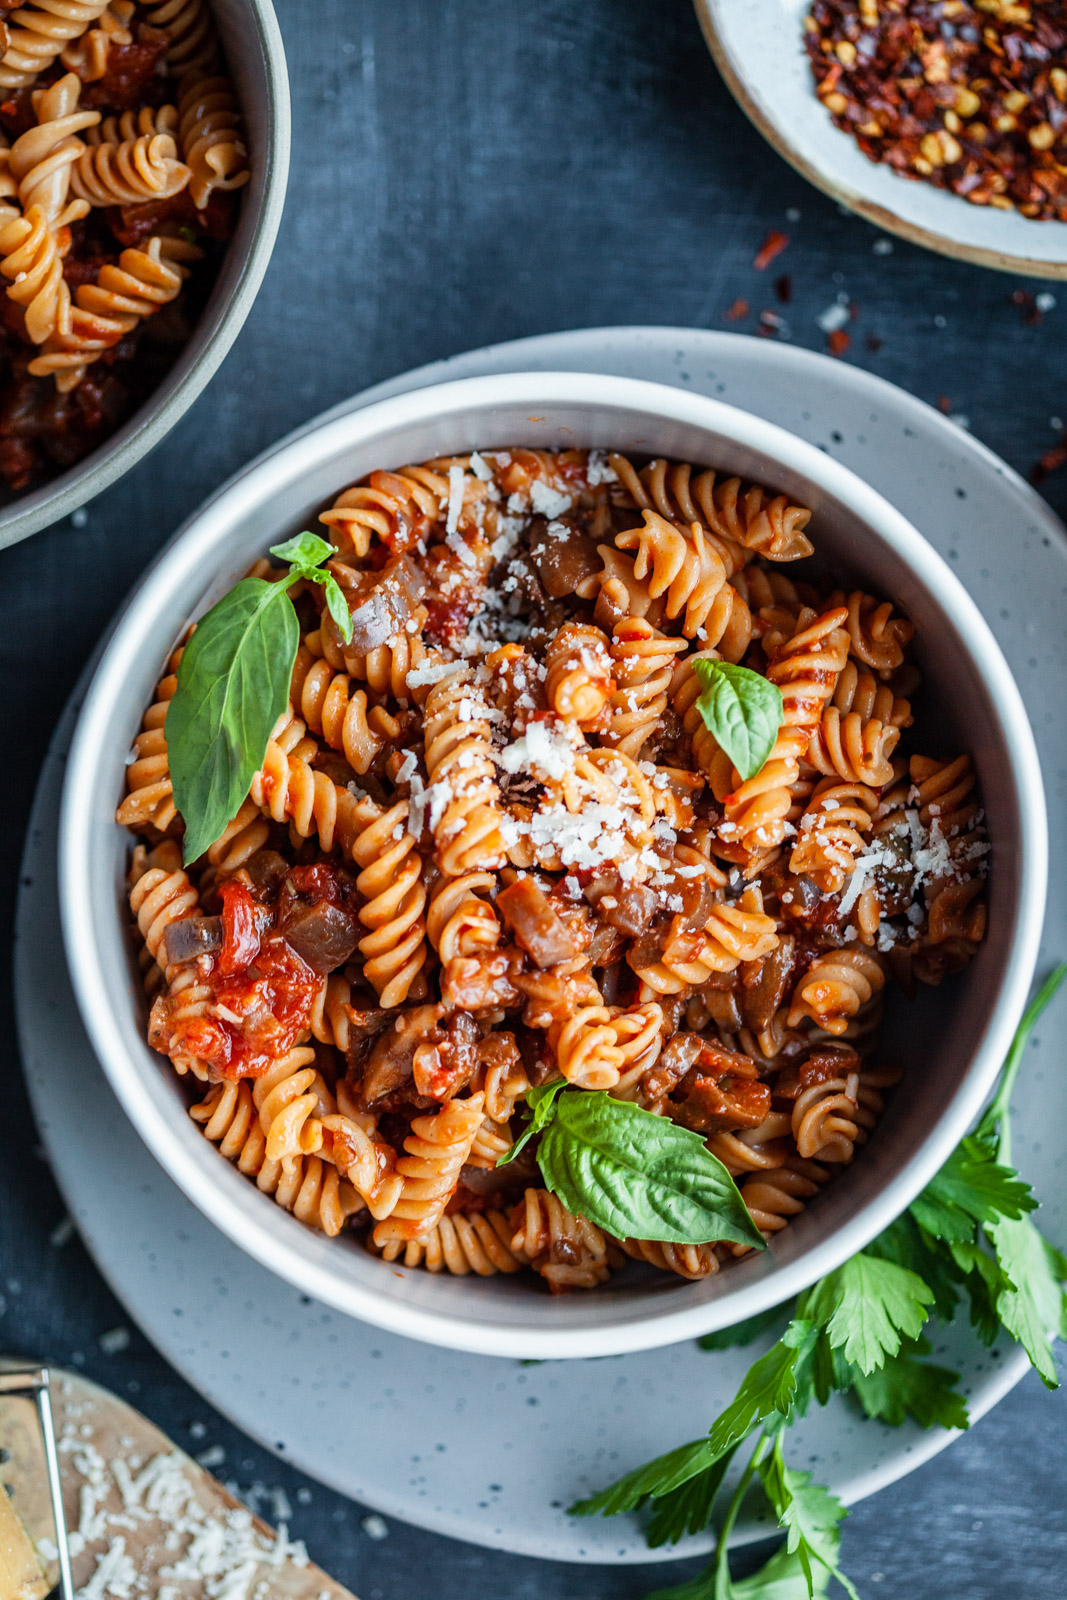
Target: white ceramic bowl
{"points": [[758, 46], [256, 62], [952, 1040]]}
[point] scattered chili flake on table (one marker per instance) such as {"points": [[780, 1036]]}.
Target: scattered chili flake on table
{"points": [[735, 312], [838, 342], [1051, 461], [771, 247], [970, 97]]}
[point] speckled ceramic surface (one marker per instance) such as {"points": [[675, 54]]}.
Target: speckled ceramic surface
{"points": [[757, 45], [491, 1450]]}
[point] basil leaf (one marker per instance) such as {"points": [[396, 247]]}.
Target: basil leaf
{"points": [[305, 550], [639, 1176], [336, 604], [743, 711], [233, 685], [540, 1108]]}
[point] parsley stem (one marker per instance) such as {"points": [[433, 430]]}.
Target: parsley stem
{"points": [[720, 1564], [997, 1114]]}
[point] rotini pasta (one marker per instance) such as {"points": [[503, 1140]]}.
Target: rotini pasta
{"points": [[493, 848], [107, 206]]}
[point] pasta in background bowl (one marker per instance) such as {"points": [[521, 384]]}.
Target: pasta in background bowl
{"points": [[948, 1042], [143, 162]]}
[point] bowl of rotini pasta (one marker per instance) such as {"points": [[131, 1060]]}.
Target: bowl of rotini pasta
{"points": [[550, 864], [143, 161]]}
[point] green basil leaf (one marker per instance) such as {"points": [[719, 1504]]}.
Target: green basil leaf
{"points": [[639, 1176], [305, 550], [540, 1108], [233, 685], [743, 711], [336, 605]]}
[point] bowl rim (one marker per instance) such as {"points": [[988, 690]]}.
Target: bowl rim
{"points": [[196, 546], [162, 409]]}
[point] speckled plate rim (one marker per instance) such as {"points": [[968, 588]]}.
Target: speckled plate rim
{"points": [[626, 349], [882, 216]]}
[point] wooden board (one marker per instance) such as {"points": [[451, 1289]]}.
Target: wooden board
{"points": [[136, 1504]]}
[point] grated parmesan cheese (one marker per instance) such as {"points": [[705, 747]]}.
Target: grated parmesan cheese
{"points": [[550, 502]]}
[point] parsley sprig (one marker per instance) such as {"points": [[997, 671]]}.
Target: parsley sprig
{"points": [[969, 1237]]}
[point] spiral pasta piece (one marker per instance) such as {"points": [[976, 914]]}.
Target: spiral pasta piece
{"points": [[944, 793], [683, 567], [569, 1252], [774, 1198], [859, 730], [464, 797], [759, 1149], [638, 1032], [127, 173], [43, 158], [835, 987], [331, 706], [391, 883], [460, 922], [831, 833], [160, 893], [397, 508], [748, 521], [140, 283], [193, 46], [642, 662], [150, 792], [38, 31], [585, 1048], [461, 1245], [578, 681], [685, 690], [876, 637], [824, 1120], [210, 135], [434, 1151], [31, 259], [692, 1261], [732, 934], [289, 1102], [89, 55]]}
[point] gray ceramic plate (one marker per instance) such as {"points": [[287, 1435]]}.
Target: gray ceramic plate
{"points": [[319, 1380]]}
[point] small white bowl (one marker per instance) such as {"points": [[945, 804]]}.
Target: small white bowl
{"points": [[951, 1040], [256, 61], [758, 46]]}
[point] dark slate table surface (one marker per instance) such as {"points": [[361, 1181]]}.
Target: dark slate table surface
{"points": [[467, 171]]}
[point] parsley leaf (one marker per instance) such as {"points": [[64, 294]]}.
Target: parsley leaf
{"points": [[867, 1306], [1035, 1306], [767, 1390], [783, 1578], [810, 1516], [906, 1385], [971, 1187], [687, 1509], [656, 1478]]}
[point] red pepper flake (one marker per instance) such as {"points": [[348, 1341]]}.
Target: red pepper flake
{"points": [[966, 95], [944, 404], [772, 246], [771, 324], [1031, 312], [735, 312], [873, 343], [838, 342], [1051, 461], [783, 288]]}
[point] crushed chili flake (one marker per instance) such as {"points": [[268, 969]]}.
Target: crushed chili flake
{"points": [[1028, 306], [771, 247], [783, 288], [735, 312], [771, 325], [1051, 461], [838, 342], [967, 95], [944, 404], [873, 343]]}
